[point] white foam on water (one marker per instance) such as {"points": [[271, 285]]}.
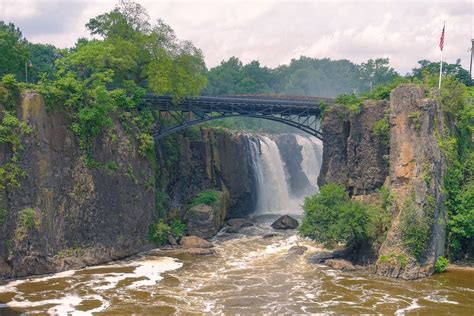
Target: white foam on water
{"points": [[414, 305], [439, 299], [11, 286]]}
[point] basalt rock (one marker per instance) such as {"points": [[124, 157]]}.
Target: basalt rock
{"points": [[194, 242], [234, 225], [354, 155], [285, 222], [205, 220]]}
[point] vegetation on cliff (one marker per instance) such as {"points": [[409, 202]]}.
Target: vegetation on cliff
{"points": [[332, 216]]}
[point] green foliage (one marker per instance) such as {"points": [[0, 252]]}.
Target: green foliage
{"points": [[3, 216], [9, 92], [432, 68], [381, 128], [208, 197], [178, 228], [441, 265], [159, 232], [393, 258], [29, 219], [414, 118], [332, 216], [415, 226], [112, 166], [11, 132], [13, 50], [146, 144]]}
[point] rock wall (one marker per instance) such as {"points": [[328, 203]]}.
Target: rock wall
{"points": [[417, 170], [81, 215], [217, 159], [354, 156]]}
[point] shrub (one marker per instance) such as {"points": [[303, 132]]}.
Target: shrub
{"points": [[147, 144], [178, 228], [159, 232], [208, 197], [381, 128], [28, 219], [332, 216], [415, 228], [441, 265]]}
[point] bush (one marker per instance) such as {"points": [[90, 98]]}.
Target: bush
{"points": [[441, 265], [208, 197], [332, 216], [28, 219], [178, 228], [381, 128], [415, 228], [159, 232]]}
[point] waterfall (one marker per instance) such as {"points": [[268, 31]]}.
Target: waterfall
{"points": [[273, 192], [311, 150]]}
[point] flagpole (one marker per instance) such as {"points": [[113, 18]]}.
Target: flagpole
{"points": [[441, 63]]}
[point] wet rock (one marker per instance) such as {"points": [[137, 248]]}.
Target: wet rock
{"points": [[321, 257], [172, 241], [235, 225], [188, 242], [200, 251], [340, 264], [270, 235], [205, 220], [285, 222], [297, 250]]}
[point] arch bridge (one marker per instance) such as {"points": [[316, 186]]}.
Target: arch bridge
{"points": [[303, 113]]}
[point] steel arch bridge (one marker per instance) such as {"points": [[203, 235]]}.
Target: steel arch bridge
{"points": [[303, 113]]}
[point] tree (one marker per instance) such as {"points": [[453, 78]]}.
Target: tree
{"points": [[432, 68], [42, 57], [376, 72], [13, 51]]}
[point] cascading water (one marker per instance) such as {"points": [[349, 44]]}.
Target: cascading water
{"points": [[273, 192], [311, 150]]}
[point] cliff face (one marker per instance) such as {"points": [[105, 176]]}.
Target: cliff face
{"points": [[354, 156], [81, 215], [417, 170], [216, 159], [67, 215]]}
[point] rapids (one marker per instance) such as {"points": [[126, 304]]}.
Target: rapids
{"points": [[248, 275]]}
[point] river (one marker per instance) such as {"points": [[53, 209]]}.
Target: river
{"points": [[248, 275]]}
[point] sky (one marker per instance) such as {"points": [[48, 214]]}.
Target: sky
{"points": [[276, 31]]}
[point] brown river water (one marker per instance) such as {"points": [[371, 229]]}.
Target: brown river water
{"points": [[248, 275]]}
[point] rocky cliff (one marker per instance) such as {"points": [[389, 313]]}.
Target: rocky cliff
{"points": [[411, 166], [68, 213], [354, 155], [417, 170], [65, 214]]}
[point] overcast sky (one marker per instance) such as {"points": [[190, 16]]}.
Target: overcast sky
{"points": [[275, 31]]}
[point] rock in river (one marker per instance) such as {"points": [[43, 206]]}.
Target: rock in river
{"points": [[285, 222], [340, 264], [236, 224], [195, 242]]}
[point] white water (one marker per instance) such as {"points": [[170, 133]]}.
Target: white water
{"points": [[311, 150], [273, 192]]}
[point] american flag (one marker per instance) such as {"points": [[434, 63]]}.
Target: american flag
{"points": [[441, 40]]}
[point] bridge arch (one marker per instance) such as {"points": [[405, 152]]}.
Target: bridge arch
{"points": [[302, 113]]}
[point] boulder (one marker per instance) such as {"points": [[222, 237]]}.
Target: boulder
{"points": [[171, 240], [195, 242], [200, 251], [321, 257], [236, 224], [297, 250], [205, 220], [285, 222], [340, 264], [270, 235]]}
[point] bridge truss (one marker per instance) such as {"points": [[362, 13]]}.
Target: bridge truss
{"points": [[301, 113]]}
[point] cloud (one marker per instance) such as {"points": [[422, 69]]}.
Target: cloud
{"points": [[275, 31]]}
